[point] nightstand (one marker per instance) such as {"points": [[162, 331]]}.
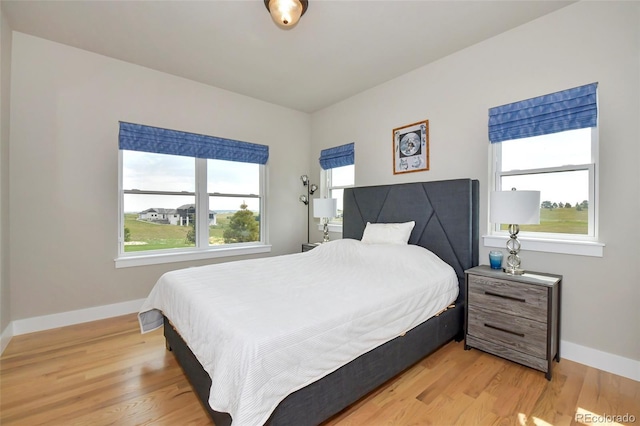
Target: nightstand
{"points": [[516, 317], [309, 246]]}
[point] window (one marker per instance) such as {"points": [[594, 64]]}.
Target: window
{"points": [[550, 144], [562, 167], [158, 201], [336, 180], [338, 173], [235, 202], [187, 206]]}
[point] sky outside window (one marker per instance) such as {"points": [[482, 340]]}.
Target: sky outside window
{"points": [[557, 149], [161, 172]]}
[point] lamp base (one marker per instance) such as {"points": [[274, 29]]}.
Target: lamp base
{"points": [[325, 231], [513, 271], [513, 246]]}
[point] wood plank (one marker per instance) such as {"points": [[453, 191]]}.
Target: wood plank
{"points": [[106, 372]]}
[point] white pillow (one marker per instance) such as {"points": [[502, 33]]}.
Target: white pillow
{"points": [[387, 233]]}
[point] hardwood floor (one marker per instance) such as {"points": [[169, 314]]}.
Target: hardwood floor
{"points": [[106, 372]]}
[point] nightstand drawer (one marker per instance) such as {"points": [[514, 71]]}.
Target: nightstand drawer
{"points": [[526, 300], [511, 354], [511, 331]]}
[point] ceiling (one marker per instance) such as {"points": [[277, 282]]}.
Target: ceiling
{"points": [[339, 47]]}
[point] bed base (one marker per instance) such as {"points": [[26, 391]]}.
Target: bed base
{"points": [[326, 397]]}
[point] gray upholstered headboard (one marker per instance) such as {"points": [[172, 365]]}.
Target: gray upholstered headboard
{"points": [[445, 212]]}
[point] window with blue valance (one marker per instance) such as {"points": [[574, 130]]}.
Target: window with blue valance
{"points": [[343, 155], [137, 137], [569, 109]]}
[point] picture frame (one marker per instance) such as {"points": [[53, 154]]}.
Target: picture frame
{"points": [[411, 148]]}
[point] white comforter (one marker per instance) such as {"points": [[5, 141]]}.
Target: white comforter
{"points": [[265, 328]]}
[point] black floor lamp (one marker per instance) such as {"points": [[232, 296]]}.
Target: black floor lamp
{"points": [[311, 188]]}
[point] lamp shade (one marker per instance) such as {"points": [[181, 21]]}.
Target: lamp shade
{"points": [[515, 207], [325, 207]]}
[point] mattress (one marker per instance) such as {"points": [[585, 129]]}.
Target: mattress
{"points": [[264, 328]]}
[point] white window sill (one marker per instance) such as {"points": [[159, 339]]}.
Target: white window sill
{"points": [[333, 227], [126, 261], [581, 248]]}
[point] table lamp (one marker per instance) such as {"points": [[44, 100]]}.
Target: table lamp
{"points": [[514, 208], [325, 208]]}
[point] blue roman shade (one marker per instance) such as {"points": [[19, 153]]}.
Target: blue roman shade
{"points": [[137, 137], [570, 109], [338, 156]]}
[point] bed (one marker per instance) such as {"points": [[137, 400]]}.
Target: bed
{"points": [[446, 222]]}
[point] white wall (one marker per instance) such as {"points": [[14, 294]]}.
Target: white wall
{"points": [[583, 43], [66, 104], [5, 96]]}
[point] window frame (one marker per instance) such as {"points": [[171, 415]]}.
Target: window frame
{"points": [[587, 245], [201, 250], [326, 187]]}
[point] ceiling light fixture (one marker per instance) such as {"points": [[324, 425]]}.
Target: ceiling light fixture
{"points": [[286, 13]]}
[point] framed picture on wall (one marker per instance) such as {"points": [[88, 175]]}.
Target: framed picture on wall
{"points": [[411, 148]]}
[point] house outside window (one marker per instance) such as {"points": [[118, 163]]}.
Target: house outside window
{"points": [[180, 207]]}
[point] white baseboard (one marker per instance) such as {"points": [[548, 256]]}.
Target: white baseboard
{"points": [[5, 337], [605, 361], [63, 319]]}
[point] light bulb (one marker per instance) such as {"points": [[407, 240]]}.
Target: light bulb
{"points": [[285, 13]]}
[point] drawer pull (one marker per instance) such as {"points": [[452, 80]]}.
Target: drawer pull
{"points": [[517, 299], [503, 329]]}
